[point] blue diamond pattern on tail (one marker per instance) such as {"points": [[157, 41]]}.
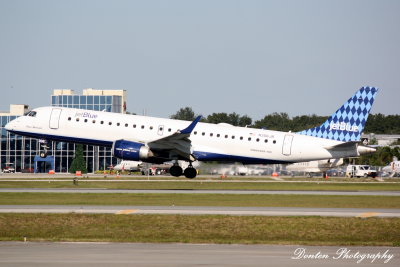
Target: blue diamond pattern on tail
{"points": [[348, 122]]}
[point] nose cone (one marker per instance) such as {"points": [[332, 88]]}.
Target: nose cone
{"points": [[365, 150], [9, 126], [12, 125]]}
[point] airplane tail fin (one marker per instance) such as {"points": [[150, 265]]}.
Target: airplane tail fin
{"points": [[348, 122]]}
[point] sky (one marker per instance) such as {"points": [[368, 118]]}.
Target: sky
{"points": [[249, 57]]}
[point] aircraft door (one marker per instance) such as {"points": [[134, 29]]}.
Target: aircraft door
{"points": [[55, 118], [160, 129], [287, 145]]}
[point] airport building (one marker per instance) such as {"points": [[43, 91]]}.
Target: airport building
{"points": [[16, 152], [21, 153]]}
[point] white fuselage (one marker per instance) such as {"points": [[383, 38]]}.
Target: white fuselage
{"points": [[208, 141]]}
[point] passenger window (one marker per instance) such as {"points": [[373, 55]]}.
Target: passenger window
{"points": [[274, 142], [241, 138], [142, 127], [118, 123], [249, 138], [101, 122], [134, 126], [126, 125], [233, 137], [218, 135], [110, 123], [85, 120], [169, 129], [203, 133], [258, 139], [226, 136], [77, 119], [194, 132], [69, 118], [151, 127], [266, 140], [94, 121], [211, 134]]}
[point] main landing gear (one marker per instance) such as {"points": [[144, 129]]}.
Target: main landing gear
{"points": [[190, 172]]}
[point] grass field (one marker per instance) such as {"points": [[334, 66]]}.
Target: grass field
{"points": [[320, 201], [201, 229], [187, 184]]}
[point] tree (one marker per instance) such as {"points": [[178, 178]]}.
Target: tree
{"points": [[186, 114], [275, 121], [232, 118], [78, 163]]}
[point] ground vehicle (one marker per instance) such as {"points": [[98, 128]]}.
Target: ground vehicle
{"points": [[360, 171], [9, 168]]}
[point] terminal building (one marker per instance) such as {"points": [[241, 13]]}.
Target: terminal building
{"points": [[21, 153]]}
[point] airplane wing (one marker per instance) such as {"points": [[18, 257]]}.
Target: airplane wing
{"points": [[178, 144]]}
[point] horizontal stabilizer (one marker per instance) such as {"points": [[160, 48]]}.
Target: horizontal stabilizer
{"points": [[343, 146]]}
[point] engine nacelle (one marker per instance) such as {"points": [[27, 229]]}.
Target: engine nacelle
{"points": [[129, 150]]}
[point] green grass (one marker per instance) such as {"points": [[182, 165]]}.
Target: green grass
{"points": [[201, 229], [323, 201], [226, 185]]}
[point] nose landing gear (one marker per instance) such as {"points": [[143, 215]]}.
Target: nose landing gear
{"points": [[43, 144]]}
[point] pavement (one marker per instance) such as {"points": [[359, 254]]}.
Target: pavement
{"points": [[195, 191], [171, 254], [194, 210]]}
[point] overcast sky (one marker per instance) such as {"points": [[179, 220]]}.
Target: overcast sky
{"points": [[248, 57]]}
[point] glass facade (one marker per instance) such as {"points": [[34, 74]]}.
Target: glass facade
{"points": [[90, 102], [16, 151]]}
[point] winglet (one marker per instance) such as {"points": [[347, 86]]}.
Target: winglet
{"points": [[190, 128]]}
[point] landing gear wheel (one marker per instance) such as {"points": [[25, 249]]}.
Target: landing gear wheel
{"points": [[176, 171], [190, 172]]}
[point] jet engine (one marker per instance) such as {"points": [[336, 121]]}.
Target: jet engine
{"points": [[129, 150]]}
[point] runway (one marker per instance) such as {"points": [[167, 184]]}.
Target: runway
{"points": [[139, 254], [192, 210], [190, 191]]}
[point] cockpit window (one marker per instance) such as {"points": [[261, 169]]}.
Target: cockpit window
{"points": [[31, 114]]}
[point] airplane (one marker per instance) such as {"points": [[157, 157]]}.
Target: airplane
{"points": [[393, 168], [157, 140], [316, 166], [128, 165]]}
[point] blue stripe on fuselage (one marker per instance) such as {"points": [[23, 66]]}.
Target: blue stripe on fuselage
{"points": [[207, 156]]}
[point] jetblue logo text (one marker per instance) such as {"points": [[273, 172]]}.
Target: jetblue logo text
{"points": [[342, 126], [85, 115]]}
